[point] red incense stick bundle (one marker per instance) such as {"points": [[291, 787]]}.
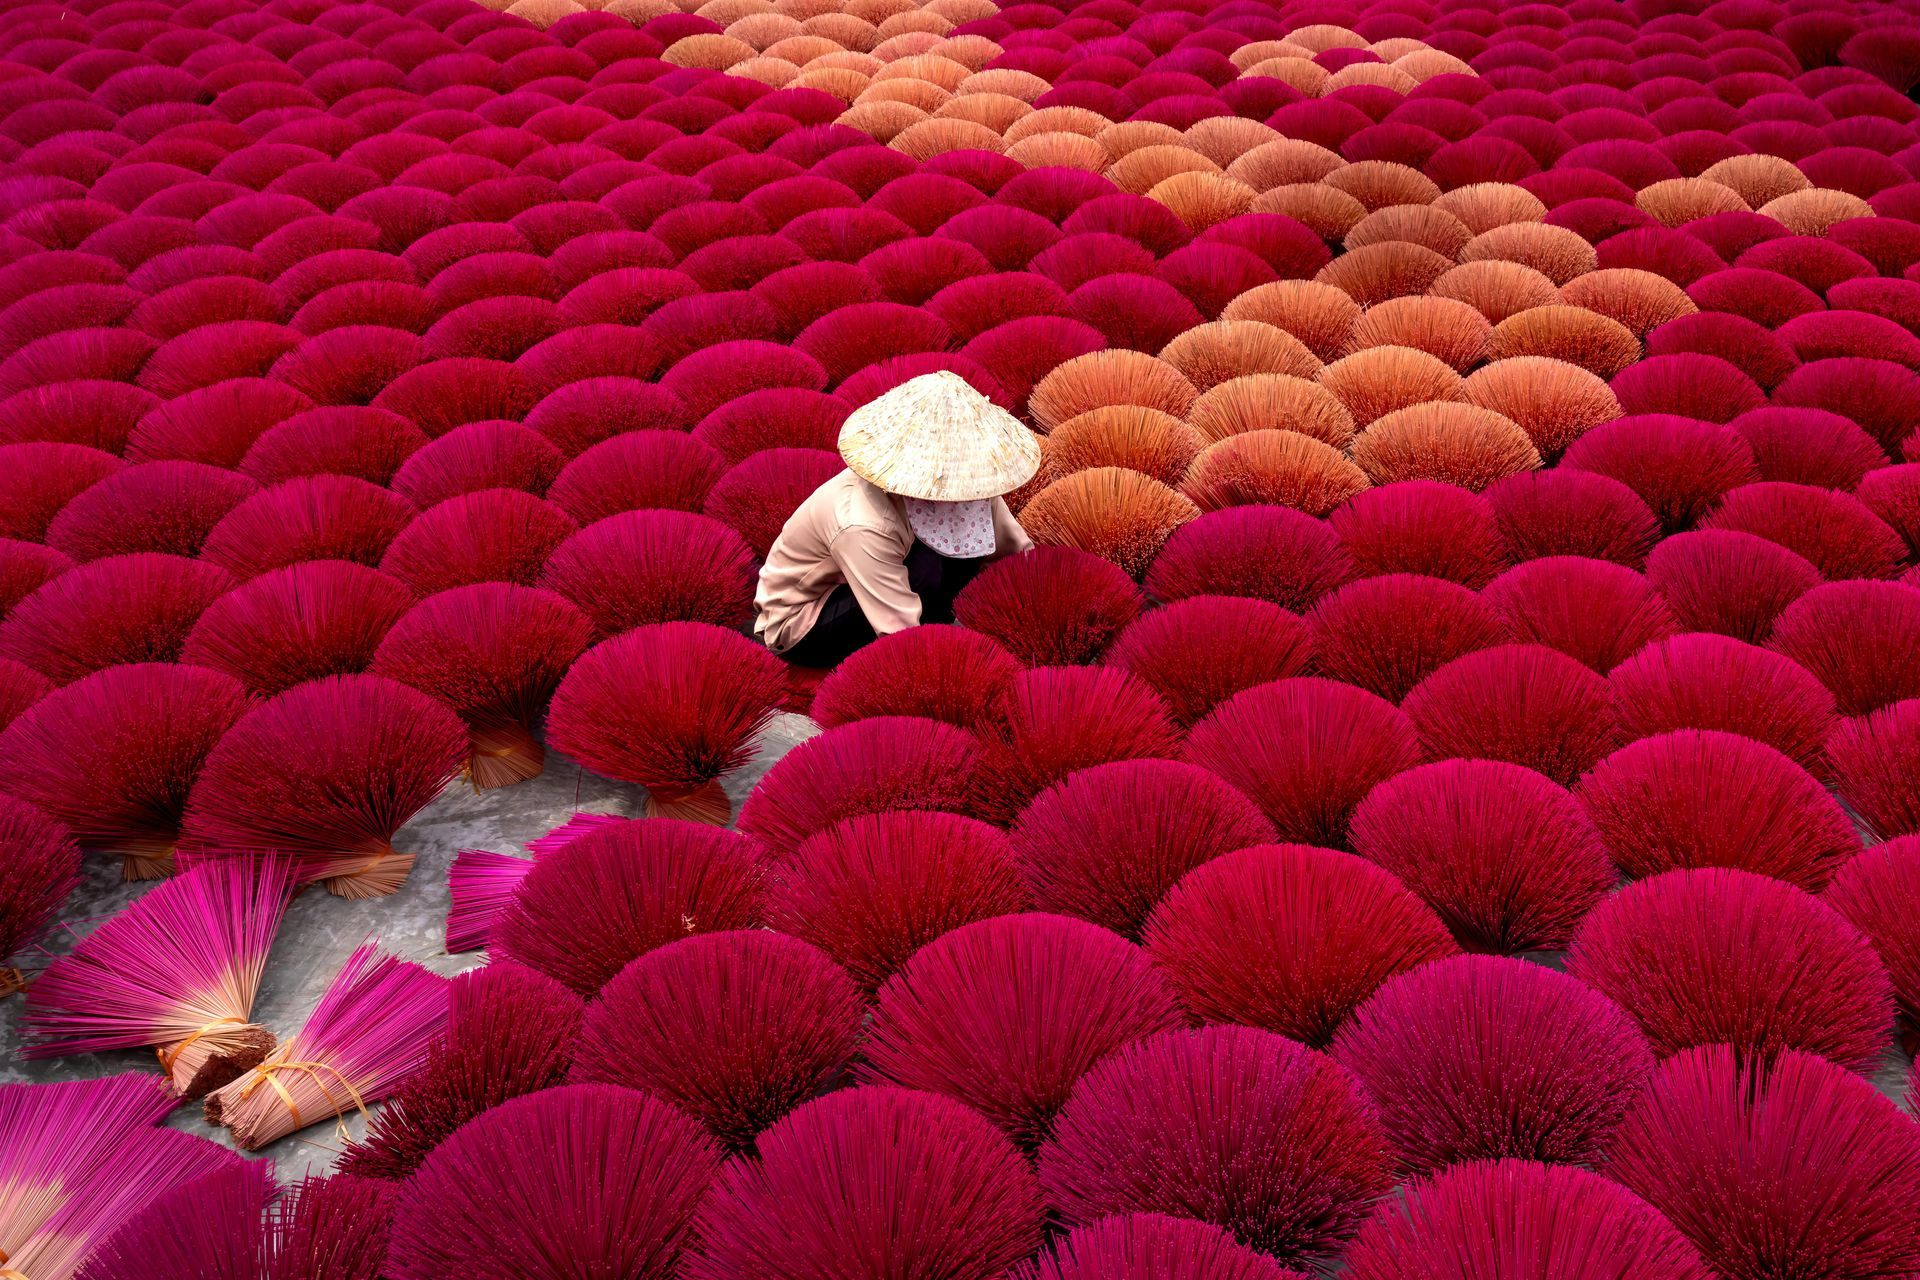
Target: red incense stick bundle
{"points": [[1155, 1245], [330, 1229], [369, 1033], [43, 867], [326, 773], [510, 1031], [494, 652], [583, 1180], [177, 970], [115, 754], [1484, 1217]]}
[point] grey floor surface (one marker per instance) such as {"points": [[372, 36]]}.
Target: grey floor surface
{"points": [[320, 930]]}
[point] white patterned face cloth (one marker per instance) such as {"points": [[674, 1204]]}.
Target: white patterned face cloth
{"points": [[963, 530]]}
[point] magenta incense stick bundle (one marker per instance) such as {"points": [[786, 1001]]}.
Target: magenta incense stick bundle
{"points": [[178, 971], [369, 1033], [510, 1031], [481, 884], [78, 1159], [53, 1137], [237, 1224]]}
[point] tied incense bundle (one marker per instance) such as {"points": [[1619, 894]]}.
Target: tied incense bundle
{"points": [[369, 1033], [178, 970]]}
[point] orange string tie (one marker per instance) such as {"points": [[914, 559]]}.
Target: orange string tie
{"points": [[167, 1059], [264, 1074]]}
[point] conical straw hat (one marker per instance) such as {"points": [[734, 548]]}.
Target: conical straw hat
{"points": [[935, 437]]}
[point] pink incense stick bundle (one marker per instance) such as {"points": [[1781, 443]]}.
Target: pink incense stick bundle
{"points": [[178, 970], [141, 1167], [510, 1031], [369, 1033], [207, 1229], [572, 829], [481, 883], [54, 1138]]}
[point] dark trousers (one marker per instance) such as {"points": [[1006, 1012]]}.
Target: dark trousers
{"points": [[841, 628]]}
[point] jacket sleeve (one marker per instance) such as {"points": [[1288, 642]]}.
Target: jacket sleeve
{"points": [[876, 571]]}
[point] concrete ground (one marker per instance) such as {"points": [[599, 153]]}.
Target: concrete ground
{"points": [[320, 930]]}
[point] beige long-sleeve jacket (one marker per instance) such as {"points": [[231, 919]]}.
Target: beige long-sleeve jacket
{"points": [[849, 531]]}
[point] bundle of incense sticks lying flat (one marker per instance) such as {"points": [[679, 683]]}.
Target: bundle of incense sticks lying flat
{"points": [[370, 1031], [178, 970], [481, 883]]}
